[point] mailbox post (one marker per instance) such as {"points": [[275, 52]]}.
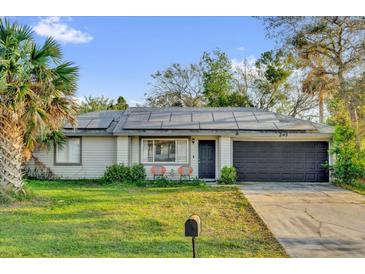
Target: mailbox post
{"points": [[192, 229]]}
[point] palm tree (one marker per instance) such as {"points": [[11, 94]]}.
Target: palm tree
{"points": [[37, 93]]}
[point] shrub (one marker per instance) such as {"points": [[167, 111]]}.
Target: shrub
{"points": [[116, 173], [38, 174], [350, 161], [140, 183], [228, 176], [137, 173], [10, 197], [5, 198], [196, 182], [120, 173], [164, 182]]}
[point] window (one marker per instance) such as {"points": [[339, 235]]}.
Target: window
{"points": [[69, 153], [164, 150]]}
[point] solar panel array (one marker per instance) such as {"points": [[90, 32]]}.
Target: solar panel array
{"points": [[209, 119], [189, 119], [91, 123]]}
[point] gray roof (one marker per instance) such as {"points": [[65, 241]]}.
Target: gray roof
{"points": [[147, 121]]}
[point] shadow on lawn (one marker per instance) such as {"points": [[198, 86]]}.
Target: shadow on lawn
{"points": [[128, 246], [125, 221]]}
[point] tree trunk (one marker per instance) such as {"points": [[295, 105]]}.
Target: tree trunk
{"points": [[321, 106], [351, 107], [11, 152], [354, 121]]}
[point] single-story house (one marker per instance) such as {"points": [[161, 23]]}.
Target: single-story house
{"points": [[262, 145]]}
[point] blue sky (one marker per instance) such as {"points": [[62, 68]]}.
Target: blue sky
{"points": [[117, 55]]}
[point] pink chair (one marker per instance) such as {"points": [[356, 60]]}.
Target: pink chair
{"points": [[158, 171], [185, 171]]}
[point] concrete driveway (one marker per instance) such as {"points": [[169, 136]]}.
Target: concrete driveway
{"points": [[311, 219]]}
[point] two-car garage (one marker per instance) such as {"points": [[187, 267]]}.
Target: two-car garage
{"points": [[281, 161]]}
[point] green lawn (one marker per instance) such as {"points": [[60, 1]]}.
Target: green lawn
{"points": [[84, 220]]}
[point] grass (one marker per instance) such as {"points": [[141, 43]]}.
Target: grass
{"points": [[357, 186], [81, 219]]}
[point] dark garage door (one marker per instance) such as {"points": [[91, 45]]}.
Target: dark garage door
{"points": [[281, 161]]}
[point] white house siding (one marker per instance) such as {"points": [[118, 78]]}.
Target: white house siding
{"points": [[97, 154], [122, 153], [135, 150], [225, 152]]}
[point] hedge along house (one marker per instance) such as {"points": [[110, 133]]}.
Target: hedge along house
{"points": [[263, 146]]}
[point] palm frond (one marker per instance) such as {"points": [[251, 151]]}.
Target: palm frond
{"points": [[50, 50], [66, 75], [14, 31]]}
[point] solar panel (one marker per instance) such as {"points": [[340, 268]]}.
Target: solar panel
{"points": [[295, 126], [202, 116], [180, 125], [139, 116], [266, 117], [256, 126], [161, 116], [142, 125], [80, 123], [218, 125], [99, 123], [223, 116], [244, 116], [181, 117]]}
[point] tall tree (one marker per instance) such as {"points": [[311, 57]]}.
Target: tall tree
{"points": [[320, 85], [271, 84], [120, 104], [177, 86], [298, 103], [277, 86], [90, 104], [337, 40], [37, 91], [219, 81], [244, 75], [217, 77]]}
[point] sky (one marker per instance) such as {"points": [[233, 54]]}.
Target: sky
{"points": [[117, 55]]}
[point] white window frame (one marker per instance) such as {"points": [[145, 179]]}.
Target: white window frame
{"points": [[79, 163], [154, 150]]}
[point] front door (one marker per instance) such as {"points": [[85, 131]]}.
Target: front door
{"points": [[207, 159]]}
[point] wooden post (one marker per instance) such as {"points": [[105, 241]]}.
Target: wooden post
{"points": [[193, 242]]}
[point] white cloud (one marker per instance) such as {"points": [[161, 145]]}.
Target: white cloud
{"points": [[57, 28], [241, 48]]}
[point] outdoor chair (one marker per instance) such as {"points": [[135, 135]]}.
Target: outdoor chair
{"points": [[185, 171], [158, 171]]}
